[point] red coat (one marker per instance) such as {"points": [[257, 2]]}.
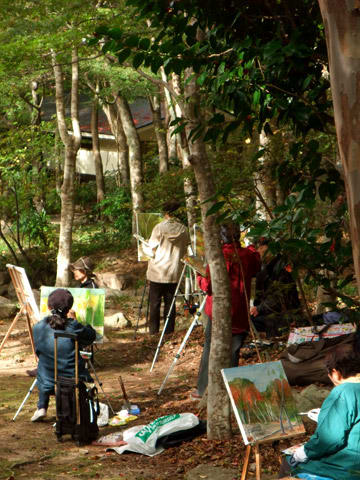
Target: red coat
{"points": [[250, 261]]}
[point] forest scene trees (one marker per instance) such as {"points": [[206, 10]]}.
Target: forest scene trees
{"points": [[253, 117], [263, 402]]}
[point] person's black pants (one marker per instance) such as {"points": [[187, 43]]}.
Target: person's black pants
{"points": [[157, 292]]}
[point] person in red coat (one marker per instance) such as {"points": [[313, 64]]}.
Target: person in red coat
{"points": [[242, 265]]}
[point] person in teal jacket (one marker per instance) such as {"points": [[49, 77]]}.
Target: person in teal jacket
{"points": [[60, 302], [333, 452]]}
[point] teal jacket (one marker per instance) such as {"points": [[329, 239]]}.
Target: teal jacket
{"points": [[334, 449], [44, 347]]}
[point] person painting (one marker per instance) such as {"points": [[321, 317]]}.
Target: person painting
{"points": [[333, 452], [83, 272], [60, 302], [242, 265], [166, 247]]}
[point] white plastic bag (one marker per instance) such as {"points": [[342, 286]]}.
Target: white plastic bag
{"points": [[103, 417], [143, 438]]}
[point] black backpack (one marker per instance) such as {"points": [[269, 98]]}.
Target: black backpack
{"points": [[83, 429], [77, 407]]}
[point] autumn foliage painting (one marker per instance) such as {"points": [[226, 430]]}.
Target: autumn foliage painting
{"points": [[89, 306], [262, 401]]}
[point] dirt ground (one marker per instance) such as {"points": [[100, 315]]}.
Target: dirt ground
{"points": [[30, 450]]}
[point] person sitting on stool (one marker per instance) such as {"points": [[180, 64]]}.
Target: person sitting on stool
{"points": [[333, 451], [60, 302], [167, 246], [83, 272]]}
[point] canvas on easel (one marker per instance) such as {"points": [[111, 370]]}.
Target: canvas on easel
{"points": [[145, 222], [28, 306], [89, 306], [263, 405], [262, 402]]}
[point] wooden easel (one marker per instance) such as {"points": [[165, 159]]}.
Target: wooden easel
{"points": [[245, 469], [28, 306]]}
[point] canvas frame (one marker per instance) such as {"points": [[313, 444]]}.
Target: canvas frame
{"points": [[261, 399]]}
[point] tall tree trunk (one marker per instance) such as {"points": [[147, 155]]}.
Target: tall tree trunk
{"points": [[264, 181], [116, 126], [183, 152], [37, 162], [342, 29], [218, 424], [72, 145], [155, 106], [135, 158], [170, 138], [100, 182]]}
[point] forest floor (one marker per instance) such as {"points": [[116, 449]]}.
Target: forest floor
{"points": [[30, 450]]}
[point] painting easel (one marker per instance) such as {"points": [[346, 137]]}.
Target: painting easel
{"points": [[245, 469], [28, 306]]}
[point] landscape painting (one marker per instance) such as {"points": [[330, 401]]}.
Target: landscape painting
{"points": [[89, 306], [262, 401], [145, 222]]}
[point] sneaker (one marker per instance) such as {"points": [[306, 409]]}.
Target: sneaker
{"points": [[195, 395], [39, 415]]}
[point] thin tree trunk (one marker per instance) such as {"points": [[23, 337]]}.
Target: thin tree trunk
{"points": [[155, 106], [72, 145], [135, 158], [170, 139], [116, 126], [218, 424], [342, 29], [37, 162], [100, 182], [183, 153]]}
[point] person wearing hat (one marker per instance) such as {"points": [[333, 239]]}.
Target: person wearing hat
{"points": [[167, 246], [60, 302], [83, 272]]}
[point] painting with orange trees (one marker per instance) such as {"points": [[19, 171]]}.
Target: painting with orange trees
{"points": [[262, 401]]}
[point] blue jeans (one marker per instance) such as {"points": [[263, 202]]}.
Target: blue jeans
{"points": [[43, 401], [236, 344]]}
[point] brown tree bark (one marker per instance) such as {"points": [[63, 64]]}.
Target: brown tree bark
{"points": [[72, 145], [342, 28], [155, 106], [99, 172], [218, 424]]}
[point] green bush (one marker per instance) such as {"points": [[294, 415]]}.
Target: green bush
{"points": [[116, 207]]}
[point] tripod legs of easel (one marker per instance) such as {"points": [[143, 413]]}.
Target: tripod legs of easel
{"points": [[183, 343], [100, 385], [245, 469], [140, 309], [24, 401], [22, 311], [167, 318]]}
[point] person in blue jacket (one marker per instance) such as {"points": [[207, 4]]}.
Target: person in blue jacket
{"points": [[333, 452], [60, 302]]}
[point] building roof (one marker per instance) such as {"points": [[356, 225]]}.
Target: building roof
{"points": [[140, 110]]}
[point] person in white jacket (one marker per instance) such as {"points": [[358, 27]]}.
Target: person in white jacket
{"points": [[167, 246]]}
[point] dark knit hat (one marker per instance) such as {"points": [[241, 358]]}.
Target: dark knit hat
{"points": [[230, 232], [83, 263], [61, 301]]}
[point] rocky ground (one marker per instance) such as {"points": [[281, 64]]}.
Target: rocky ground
{"points": [[31, 450]]}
